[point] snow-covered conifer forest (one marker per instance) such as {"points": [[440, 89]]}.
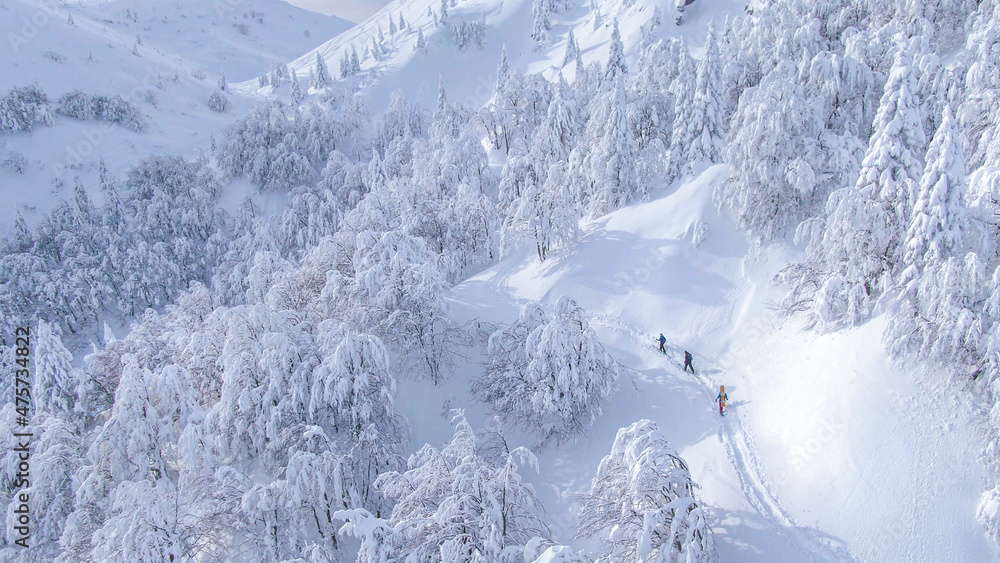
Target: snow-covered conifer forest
{"points": [[278, 287]]}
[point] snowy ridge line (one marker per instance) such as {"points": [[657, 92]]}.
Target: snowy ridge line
{"points": [[332, 49], [741, 450], [360, 35], [159, 61]]}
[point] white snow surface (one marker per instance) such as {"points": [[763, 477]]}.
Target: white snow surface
{"points": [[98, 53], [828, 451]]}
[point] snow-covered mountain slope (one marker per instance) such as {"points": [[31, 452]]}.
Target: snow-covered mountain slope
{"points": [[470, 74], [828, 453], [164, 58]]}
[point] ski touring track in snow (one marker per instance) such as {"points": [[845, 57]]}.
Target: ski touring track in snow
{"points": [[741, 450]]}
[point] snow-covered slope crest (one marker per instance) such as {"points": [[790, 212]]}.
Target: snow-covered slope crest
{"points": [[390, 39], [415, 48]]}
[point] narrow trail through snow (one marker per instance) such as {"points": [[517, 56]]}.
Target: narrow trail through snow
{"points": [[741, 450]]}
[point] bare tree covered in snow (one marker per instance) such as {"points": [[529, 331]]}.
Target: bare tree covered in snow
{"points": [[108, 108], [642, 503], [22, 108], [548, 374], [464, 502], [355, 387]]}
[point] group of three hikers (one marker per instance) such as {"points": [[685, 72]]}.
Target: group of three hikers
{"points": [[688, 358]]}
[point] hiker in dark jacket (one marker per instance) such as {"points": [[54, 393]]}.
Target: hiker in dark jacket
{"points": [[687, 361]]}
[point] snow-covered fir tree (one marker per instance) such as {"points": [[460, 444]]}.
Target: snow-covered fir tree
{"points": [[128, 448], [563, 120], [935, 230], [707, 121], [572, 49], [53, 388], [862, 263], [296, 95], [321, 75], [617, 68], [938, 311], [542, 23], [682, 89], [610, 163], [355, 61]]}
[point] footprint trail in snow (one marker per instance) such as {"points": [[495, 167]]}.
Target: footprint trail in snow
{"points": [[742, 453]]}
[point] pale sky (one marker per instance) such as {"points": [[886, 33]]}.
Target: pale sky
{"points": [[353, 10]]}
